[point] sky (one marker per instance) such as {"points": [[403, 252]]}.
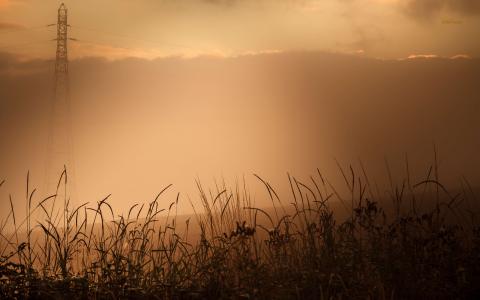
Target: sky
{"points": [[169, 91], [150, 28]]}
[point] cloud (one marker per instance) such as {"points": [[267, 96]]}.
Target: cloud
{"points": [[435, 56], [7, 3], [270, 112], [10, 26], [12, 65], [461, 56], [88, 49], [422, 56], [427, 9], [366, 38], [221, 2], [452, 22]]}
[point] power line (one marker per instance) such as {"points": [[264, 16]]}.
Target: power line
{"points": [[88, 42], [132, 38], [101, 32]]}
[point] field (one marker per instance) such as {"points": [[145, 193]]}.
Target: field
{"points": [[419, 240]]}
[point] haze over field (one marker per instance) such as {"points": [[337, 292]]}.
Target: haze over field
{"points": [[165, 91]]}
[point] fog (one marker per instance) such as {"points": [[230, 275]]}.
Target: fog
{"points": [[138, 124]]}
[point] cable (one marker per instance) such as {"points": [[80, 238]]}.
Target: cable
{"points": [[87, 42], [132, 38], [91, 42]]}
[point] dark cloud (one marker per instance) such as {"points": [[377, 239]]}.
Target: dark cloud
{"points": [[452, 22], [365, 38], [268, 113], [11, 66], [10, 26], [221, 2], [426, 9]]}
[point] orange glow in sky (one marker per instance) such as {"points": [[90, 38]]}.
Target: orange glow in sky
{"points": [[165, 91], [146, 28]]}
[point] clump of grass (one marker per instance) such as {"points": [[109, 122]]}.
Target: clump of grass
{"points": [[300, 248]]}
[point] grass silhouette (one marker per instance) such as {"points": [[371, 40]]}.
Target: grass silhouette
{"points": [[423, 242]]}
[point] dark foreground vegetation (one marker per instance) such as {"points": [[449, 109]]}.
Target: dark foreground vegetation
{"points": [[418, 241]]}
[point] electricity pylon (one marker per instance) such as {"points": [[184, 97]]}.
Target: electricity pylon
{"points": [[60, 148]]}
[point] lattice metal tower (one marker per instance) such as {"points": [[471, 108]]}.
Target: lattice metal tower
{"points": [[59, 148], [61, 63]]}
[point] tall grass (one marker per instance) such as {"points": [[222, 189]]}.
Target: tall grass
{"points": [[422, 242]]}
